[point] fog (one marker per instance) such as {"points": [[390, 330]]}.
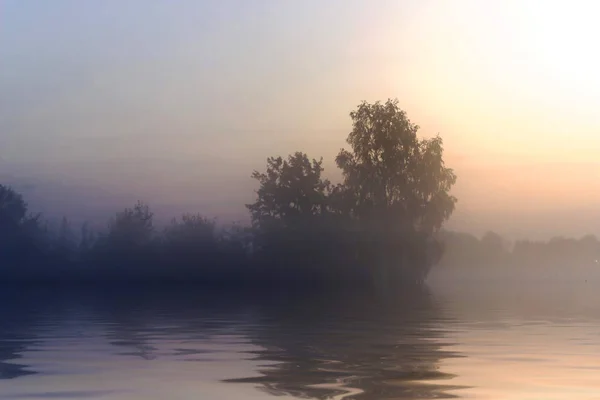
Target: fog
{"points": [[105, 103]]}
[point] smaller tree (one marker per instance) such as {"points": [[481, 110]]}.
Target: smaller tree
{"points": [[87, 237], [589, 248], [236, 239], [13, 209], [494, 248], [132, 226], [66, 237], [190, 230], [22, 238], [291, 191]]}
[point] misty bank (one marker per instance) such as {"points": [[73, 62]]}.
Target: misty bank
{"points": [[378, 226]]}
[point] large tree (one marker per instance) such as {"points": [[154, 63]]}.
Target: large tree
{"points": [[394, 196], [391, 177]]}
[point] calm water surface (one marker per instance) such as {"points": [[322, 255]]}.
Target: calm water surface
{"points": [[460, 340]]}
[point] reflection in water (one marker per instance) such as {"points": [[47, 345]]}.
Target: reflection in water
{"points": [[480, 341], [332, 346], [15, 337], [361, 346]]}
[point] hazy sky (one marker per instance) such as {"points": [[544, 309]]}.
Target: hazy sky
{"points": [[176, 102]]}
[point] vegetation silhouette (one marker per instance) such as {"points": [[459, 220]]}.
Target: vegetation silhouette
{"points": [[466, 251], [375, 227]]}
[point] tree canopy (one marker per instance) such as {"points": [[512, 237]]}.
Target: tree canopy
{"points": [[376, 224], [392, 178], [394, 195], [391, 174], [132, 226], [13, 209], [291, 191]]}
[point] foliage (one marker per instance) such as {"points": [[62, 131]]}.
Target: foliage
{"points": [[393, 177], [13, 209], [395, 194], [291, 191], [87, 238], [132, 226], [374, 226], [189, 230], [493, 251]]}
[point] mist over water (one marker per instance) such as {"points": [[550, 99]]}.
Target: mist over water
{"points": [[208, 200], [452, 338]]}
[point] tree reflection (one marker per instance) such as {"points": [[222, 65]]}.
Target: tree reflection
{"points": [[19, 316], [328, 345], [353, 346]]}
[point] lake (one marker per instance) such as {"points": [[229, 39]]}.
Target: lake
{"points": [[483, 340]]}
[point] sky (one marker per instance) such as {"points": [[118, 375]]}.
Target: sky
{"points": [[176, 102]]}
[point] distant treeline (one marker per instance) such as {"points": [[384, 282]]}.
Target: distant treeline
{"points": [[492, 250], [377, 225]]}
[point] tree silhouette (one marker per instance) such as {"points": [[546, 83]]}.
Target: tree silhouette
{"points": [[288, 219], [191, 242], [189, 230], [65, 243], [22, 239], [291, 191], [396, 180], [394, 196], [87, 238], [13, 209], [132, 226], [378, 224]]}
